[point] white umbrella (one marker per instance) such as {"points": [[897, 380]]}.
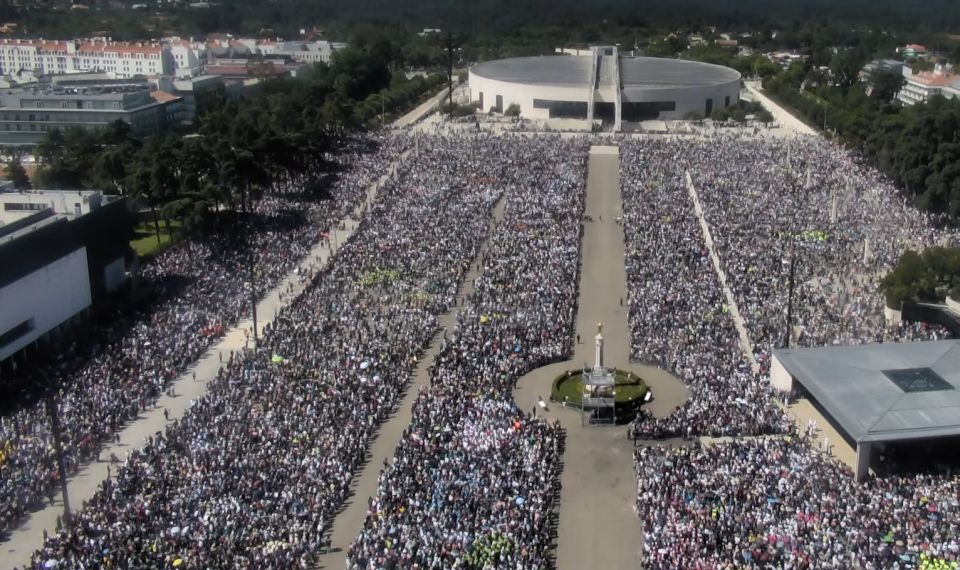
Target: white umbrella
{"points": [[51, 563], [364, 365]]}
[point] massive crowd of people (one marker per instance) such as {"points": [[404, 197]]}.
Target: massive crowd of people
{"points": [[472, 481], [254, 472], [679, 319], [775, 503], [842, 224], [769, 501], [199, 288]]}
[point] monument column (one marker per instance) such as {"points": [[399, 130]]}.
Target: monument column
{"points": [[598, 357]]}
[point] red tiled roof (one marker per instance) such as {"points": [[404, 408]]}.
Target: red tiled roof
{"points": [[87, 47], [933, 79], [249, 70], [163, 96], [118, 47]]}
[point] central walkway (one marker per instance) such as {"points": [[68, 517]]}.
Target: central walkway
{"points": [[598, 526]]}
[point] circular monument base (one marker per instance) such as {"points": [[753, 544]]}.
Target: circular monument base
{"points": [[628, 395]]}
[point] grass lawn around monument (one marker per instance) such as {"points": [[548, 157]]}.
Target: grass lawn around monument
{"points": [[568, 387]]}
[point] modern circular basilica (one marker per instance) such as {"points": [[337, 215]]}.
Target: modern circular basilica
{"points": [[604, 85]]}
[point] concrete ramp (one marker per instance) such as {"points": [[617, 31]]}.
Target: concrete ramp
{"points": [[606, 150]]}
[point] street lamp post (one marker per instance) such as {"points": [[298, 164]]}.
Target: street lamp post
{"points": [[786, 336], [58, 449], [250, 267]]}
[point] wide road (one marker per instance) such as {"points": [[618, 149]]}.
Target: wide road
{"points": [[598, 526]]}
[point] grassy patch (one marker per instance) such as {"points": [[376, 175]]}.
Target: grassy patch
{"points": [[568, 387], [145, 242]]}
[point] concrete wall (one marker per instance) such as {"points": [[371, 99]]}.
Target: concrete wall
{"points": [[523, 95], [864, 450], [779, 377], [692, 99], [892, 316], [46, 297]]}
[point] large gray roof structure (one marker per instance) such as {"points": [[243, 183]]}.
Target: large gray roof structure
{"points": [[635, 72], [539, 70], [883, 392]]}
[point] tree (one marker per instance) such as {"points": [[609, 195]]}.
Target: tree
{"points": [[66, 158], [928, 277], [845, 67], [110, 168], [886, 85], [17, 174]]}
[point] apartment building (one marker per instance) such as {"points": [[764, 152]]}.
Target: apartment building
{"points": [[125, 59]]}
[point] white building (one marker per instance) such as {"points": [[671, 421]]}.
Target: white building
{"points": [[15, 206], [920, 87], [301, 51], [59, 252], [126, 59], [604, 86], [187, 55]]}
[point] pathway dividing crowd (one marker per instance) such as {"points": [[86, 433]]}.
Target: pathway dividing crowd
{"points": [[473, 479], [678, 318], [768, 201], [769, 502], [199, 288], [254, 472]]}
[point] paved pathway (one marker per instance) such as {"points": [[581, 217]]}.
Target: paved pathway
{"points": [[779, 113], [349, 521], [598, 525], [425, 108], [28, 537], [745, 343]]}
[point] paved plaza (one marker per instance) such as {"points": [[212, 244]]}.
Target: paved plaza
{"points": [[598, 526]]}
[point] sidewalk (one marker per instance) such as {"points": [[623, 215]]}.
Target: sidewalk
{"points": [[423, 109], [27, 538], [782, 116]]}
